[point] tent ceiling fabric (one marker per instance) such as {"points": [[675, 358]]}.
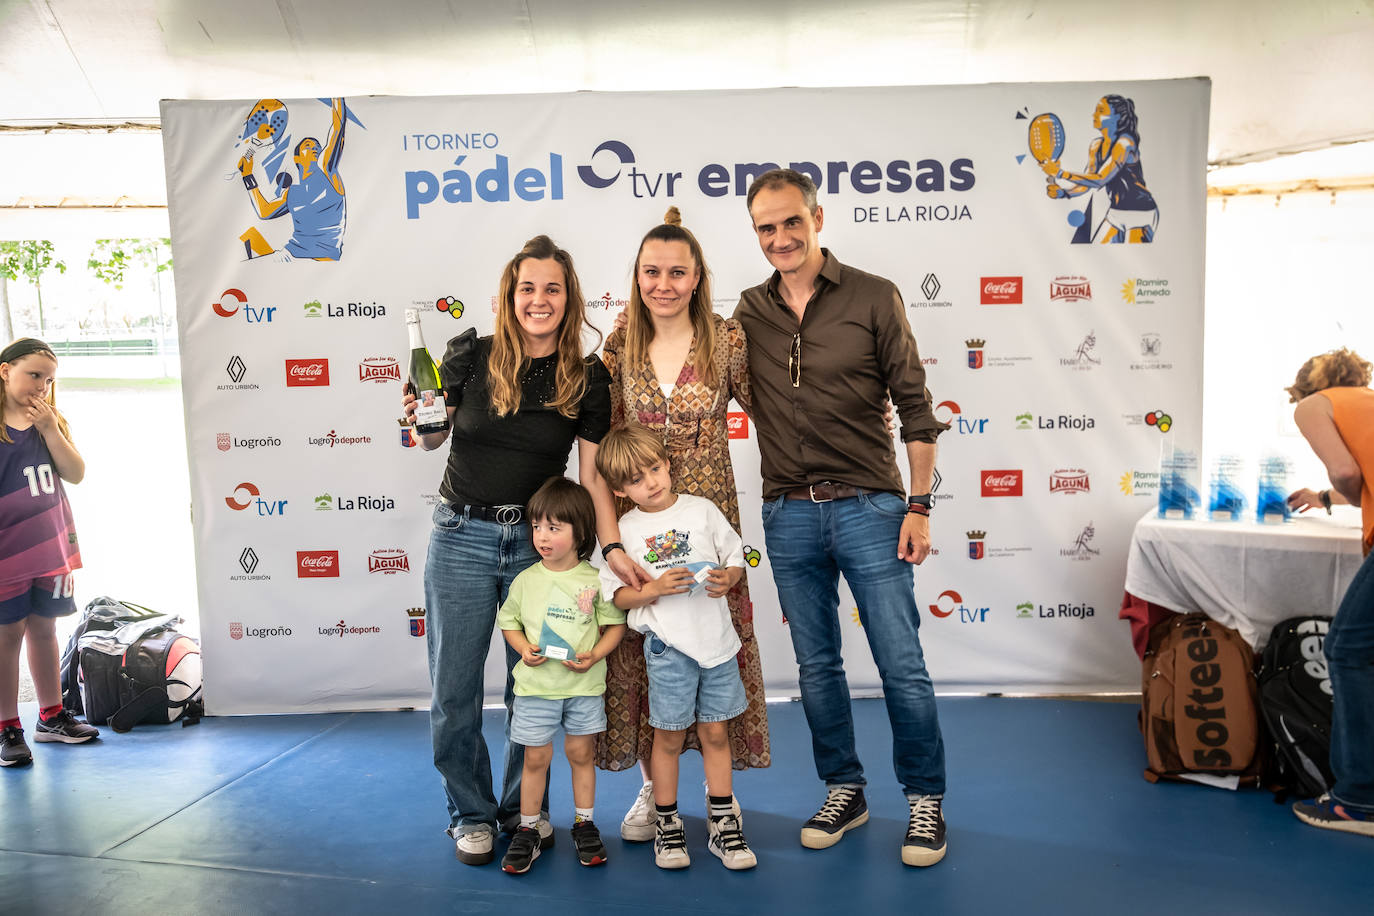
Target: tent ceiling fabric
{"points": [[1283, 74]]}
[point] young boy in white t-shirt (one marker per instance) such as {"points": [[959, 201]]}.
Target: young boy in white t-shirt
{"points": [[689, 641], [555, 617]]}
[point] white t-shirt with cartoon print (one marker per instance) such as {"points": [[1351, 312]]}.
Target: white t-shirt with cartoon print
{"points": [[693, 533]]}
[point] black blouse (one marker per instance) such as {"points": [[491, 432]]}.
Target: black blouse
{"points": [[497, 461]]}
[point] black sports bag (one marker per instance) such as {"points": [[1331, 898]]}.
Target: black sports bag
{"points": [[1295, 700]]}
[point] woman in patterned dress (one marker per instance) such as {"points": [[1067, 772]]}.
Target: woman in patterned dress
{"points": [[674, 368]]}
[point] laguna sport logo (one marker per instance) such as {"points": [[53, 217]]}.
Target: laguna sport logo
{"points": [[379, 369], [1071, 289], [388, 562]]}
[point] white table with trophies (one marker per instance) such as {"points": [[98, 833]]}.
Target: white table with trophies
{"points": [[1244, 574]]}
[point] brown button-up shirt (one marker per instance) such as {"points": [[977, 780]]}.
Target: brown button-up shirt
{"points": [[855, 346]]}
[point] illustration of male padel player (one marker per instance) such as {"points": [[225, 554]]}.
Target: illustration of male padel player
{"points": [[315, 201], [1120, 207]]}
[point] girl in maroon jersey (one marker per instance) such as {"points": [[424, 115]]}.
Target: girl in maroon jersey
{"points": [[38, 548]]}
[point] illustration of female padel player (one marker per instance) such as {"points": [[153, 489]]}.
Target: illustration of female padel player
{"points": [[1120, 208]]}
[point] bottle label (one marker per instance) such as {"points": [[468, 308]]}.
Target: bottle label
{"points": [[430, 410]]}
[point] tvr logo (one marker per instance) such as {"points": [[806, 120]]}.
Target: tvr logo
{"points": [[233, 300], [963, 425], [247, 495], [951, 601]]}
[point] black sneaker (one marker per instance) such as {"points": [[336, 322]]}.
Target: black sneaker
{"points": [[844, 809], [587, 839], [14, 751], [64, 727], [523, 850], [925, 832]]}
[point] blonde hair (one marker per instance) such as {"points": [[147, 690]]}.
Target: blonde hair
{"points": [[1334, 369], [508, 360], [627, 450], [17, 350], [639, 327]]}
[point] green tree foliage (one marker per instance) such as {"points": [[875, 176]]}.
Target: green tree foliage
{"points": [[29, 259], [112, 257]]}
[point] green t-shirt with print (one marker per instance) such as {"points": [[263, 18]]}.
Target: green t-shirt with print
{"points": [[559, 610]]}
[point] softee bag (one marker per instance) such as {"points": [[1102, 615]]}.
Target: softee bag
{"points": [[1199, 701]]}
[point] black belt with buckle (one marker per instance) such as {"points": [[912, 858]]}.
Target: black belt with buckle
{"points": [[826, 491], [502, 515]]}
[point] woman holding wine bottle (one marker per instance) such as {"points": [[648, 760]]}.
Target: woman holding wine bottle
{"points": [[515, 403]]}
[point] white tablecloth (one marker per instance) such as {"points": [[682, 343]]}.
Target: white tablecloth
{"points": [[1246, 575]]}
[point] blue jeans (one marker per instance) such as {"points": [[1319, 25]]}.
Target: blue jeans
{"points": [[469, 569], [809, 545], [1350, 659]]}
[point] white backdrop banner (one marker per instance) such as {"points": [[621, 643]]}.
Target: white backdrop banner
{"points": [[1061, 330]]}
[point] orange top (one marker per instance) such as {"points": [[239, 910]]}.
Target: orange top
{"points": [[1353, 410]]}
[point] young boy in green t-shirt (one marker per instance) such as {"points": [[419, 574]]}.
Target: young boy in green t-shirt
{"points": [[555, 617]]}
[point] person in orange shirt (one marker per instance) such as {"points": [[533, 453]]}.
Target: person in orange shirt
{"points": [[1335, 414]]}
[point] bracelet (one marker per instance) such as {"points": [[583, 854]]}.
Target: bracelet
{"points": [[1325, 497], [917, 503], [613, 545], [915, 509], [250, 182]]}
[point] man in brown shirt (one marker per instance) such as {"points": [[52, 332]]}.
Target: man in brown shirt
{"points": [[827, 344]]}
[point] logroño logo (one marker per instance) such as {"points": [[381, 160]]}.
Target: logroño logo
{"points": [[317, 564], [238, 631], [379, 369], [1000, 291], [1002, 483], [231, 300], [737, 422], [307, 373]]}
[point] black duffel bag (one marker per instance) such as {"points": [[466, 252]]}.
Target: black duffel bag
{"points": [[1295, 700]]}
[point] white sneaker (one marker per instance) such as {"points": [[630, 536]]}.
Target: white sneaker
{"points": [[474, 848], [639, 821], [670, 844], [726, 842], [734, 802]]}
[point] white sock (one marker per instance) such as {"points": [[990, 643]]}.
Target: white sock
{"points": [[529, 820], [581, 814]]}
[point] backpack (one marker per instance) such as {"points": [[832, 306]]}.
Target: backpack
{"points": [[144, 670], [101, 615], [1199, 702], [1296, 702]]}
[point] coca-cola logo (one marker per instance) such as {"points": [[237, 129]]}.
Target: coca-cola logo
{"points": [[317, 564], [737, 421], [1002, 483], [379, 369], [306, 373], [1001, 291]]}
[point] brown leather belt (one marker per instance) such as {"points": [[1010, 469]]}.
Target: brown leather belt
{"points": [[825, 491]]}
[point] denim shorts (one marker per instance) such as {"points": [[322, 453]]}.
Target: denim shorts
{"points": [[20, 598], [535, 720], [682, 692]]}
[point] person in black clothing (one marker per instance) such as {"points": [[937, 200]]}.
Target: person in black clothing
{"points": [[517, 401]]}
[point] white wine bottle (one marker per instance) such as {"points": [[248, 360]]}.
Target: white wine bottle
{"points": [[431, 416]]}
